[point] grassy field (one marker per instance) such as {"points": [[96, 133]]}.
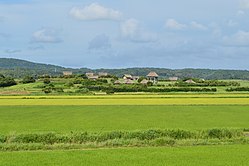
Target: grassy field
{"points": [[64, 114], [127, 101], [107, 118], [232, 155]]}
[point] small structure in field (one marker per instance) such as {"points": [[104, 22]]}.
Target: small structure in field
{"points": [[117, 82], [190, 81], [102, 74], [173, 78], [89, 74], [144, 82], [93, 77], [135, 78], [129, 82], [67, 73], [127, 77], [153, 77]]}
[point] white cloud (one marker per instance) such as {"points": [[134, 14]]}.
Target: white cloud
{"points": [[198, 26], [132, 30], [95, 12], [174, 25], [240, 39], [46, 35], [244, 4]]}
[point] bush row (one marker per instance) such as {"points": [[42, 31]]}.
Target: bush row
{"points": [[141, 88], [211, 83], [238, 89], [84, 137]]}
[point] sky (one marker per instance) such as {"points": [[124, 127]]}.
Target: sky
{"points": [[127, 33]]}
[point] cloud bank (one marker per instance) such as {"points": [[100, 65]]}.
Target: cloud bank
{"points": [[95, 12]]}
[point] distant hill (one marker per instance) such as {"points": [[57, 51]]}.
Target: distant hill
{"points": [[18, 68]]}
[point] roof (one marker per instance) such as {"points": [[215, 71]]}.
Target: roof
{"points": [[89, 74], [129, 82], [128, 75], [103, 74], [93, 77], [144, 81], [152, 74], [190, 81], [173, 78], [117, 82]]}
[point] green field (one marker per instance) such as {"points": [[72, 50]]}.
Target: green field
{"points": [[107, 118], [131, 113], [232, 155], [128, 101]]}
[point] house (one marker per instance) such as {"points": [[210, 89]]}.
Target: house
{"points": [[117, 82], [173, 78], [144, 82], [101, 74], [89, 74], [135, 78], [153, 77], [129, 82], [127, 77], [190, 81], [67, 73], [93, 77]]}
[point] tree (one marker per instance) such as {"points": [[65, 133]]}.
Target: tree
{"points": [[8, 81], [2, 76], [46, 81], [28, 79]]}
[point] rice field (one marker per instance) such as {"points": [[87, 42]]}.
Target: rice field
{"points": [[101, 113], [65, 119], [7, 101], [230, 155]]}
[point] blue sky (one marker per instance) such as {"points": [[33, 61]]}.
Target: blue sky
{"points": [[127, 33]]}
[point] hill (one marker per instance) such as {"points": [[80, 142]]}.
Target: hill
{"points": [[19, 68]]}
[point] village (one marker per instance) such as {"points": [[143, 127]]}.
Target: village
{"points": [[151, 77]]}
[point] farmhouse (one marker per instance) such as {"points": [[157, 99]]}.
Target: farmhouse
{"points": [[117, 82], [153, 76], [89, 74], [129, 82], [173, 78], [144, 82], [101, 74], [190, 81], [135, 78], [67, 73], [127, 77], [93, 77]]}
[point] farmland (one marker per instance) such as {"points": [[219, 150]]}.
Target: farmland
{"points": [[138, 129], [231, 155], [64, 119]]}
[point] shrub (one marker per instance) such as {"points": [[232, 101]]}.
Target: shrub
{"points": [[7, 81], [82, 90], [46, 81], [28, 79]]}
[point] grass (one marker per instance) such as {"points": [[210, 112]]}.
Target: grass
{"points": [[131, 113], [127, 101], [63, 119], [230, 155]]}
